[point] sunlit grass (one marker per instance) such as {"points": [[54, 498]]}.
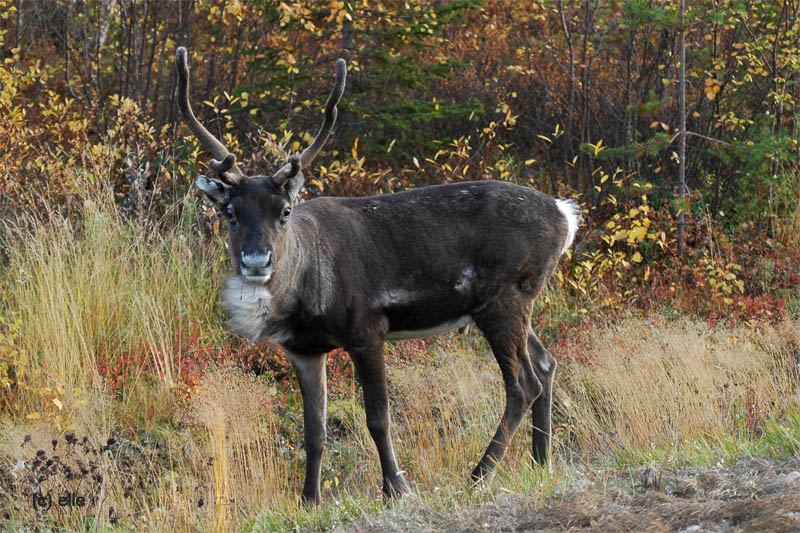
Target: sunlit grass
{"points": [[779, 438], [651, 383]]}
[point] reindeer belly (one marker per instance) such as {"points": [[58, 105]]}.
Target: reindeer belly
{"points": [[421, 313], [427, 331]]}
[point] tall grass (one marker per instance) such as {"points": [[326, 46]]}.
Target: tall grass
{"points": [[249, 467], [100, 287], [645, 384]]}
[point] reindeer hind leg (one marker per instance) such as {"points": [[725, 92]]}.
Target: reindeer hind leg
{"points": [[505, 327], [544, 364]]}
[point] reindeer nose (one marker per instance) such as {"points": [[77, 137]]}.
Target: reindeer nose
{"points": [[256, 262]]}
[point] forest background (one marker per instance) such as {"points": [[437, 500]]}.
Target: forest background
{"points": [[110, 260]]}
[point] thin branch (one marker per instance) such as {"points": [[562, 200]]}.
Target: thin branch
{"points": [[711, 139]]}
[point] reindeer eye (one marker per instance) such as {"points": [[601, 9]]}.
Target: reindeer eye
{"points": [[285, 214]]}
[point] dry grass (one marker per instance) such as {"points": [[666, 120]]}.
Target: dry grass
{"points": [[226, 452], [648, 384], [101, 288], [248, 462]]}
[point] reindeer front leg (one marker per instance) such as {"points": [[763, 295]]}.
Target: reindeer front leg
{"points": [[313, 380], [371, 371]]}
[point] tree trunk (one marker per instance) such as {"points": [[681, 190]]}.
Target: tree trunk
{"points": [[682, 142]]}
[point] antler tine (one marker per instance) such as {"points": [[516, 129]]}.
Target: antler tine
{"points": [[221, 167], [331, 112], [287, 171], [224, 162]]}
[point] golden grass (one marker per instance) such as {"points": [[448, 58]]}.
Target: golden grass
{"points": [[653, 384], [249, 466], [102, 288]]}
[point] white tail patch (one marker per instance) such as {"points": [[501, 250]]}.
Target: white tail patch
{"points": [[572, 213]]}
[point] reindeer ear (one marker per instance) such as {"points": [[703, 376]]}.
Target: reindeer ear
{"points": [[289, 179], [214, 189], [291, 187]]}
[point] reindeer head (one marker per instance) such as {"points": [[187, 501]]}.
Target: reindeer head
{"points": [[258, 208]]}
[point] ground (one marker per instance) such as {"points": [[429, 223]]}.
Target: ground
{"points": [[757, 494]]}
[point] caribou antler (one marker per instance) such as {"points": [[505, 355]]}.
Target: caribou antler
{"points": [[311, 152], [224, 162], [308, 155]]}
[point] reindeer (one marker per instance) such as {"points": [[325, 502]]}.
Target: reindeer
{"points": [[356, 272]]}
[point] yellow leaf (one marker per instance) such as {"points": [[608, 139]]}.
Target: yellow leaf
{"points": [[34, 416], [416, 163], [637, 257], [637, 234], [355, 149], [597, 147], [544, 138], [58, 403]]}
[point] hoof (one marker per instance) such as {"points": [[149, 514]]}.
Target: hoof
{"points": [[396, 489], [312, 500]]}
